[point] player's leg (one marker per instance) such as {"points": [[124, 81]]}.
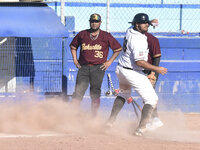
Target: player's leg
{"points": [[153, 82], [82, 82], [145, 116], [155, 121], [155, 111], [124, 93], [117, 106], [96, 79], [144, 88]]}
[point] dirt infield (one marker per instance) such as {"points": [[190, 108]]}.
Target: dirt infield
{"points": [[55, 125]]}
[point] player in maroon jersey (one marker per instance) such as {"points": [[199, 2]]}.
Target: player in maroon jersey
{"points": [[94, 46]]}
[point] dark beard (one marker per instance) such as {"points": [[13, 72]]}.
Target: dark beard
{"points": [[139, 30], [93, 30]]}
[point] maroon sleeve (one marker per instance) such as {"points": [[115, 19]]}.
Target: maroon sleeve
{"points": [[75, 42], [113, 43], [154, 47]]}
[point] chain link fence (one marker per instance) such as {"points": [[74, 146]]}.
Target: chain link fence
{"points": [[173, 15], [30, 64]]}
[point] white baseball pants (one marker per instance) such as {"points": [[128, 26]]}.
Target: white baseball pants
{"points": [[139, 82]]}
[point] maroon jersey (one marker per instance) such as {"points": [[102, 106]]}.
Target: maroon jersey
{"points": [[94, 51], [154, 47]]}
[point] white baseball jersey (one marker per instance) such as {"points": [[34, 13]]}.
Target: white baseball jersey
{"points": [[135, 48], [129, 74]]}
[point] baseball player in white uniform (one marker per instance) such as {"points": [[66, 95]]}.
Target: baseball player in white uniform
{"points": [[129, 72]]}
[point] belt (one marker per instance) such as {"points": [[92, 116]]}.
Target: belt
{"points": [[125, 67], [90, 64]]}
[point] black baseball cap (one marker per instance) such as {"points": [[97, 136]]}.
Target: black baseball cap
{"points": [[95, 17]]}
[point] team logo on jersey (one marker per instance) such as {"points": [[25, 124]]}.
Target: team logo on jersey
{"points": [[140, 53], [91, 47]]}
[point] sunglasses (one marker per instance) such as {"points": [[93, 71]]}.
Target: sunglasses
{"points": [[92, 21]]}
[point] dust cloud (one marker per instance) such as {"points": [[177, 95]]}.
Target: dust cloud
{"points": [[176, 128], [32, 116]]}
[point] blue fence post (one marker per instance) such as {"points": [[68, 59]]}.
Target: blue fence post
{"points": [[55, 7], [181, 15]]}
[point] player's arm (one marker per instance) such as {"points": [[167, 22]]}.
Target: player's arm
{"points": [[153, 76], [148, 66], [156, 54], [155, 62], [116, 47], [139, 57], [74, 55], [74, 46], [112, 58], [114, 55]]}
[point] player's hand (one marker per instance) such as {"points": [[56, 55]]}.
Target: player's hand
{"points": [[76, 63], [154, 22], [105, 65], [151, 75], [152, 78], [162, 70]]}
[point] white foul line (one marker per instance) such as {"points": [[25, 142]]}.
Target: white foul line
{"points": [[29, 135]]}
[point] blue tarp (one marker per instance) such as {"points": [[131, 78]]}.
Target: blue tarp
{"points": [[30, 22]]}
